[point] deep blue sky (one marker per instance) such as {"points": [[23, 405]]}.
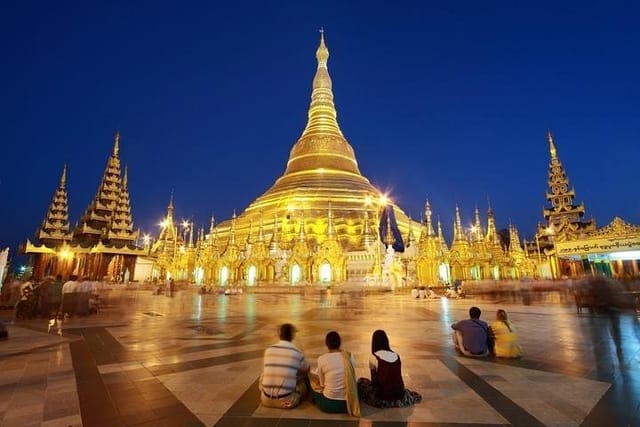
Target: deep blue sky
{"points": [[449, 102]]}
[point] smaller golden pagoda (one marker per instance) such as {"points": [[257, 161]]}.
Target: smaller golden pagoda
{"points": [[103, 244]]}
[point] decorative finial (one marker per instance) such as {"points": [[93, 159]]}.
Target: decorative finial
{"points": [[116, 144], [63, 177], [552, 145], [322, 54], [125, 177]]}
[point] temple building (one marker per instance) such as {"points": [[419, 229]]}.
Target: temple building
{"points": [[320, 223], [323, 222], [572, 246], [102, 245]]}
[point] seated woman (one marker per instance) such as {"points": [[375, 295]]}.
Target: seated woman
{"points": [[386, 388], [505, 337], [333, 388]]}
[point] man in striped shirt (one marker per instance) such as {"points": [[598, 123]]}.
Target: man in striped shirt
{"points": [[283, 382]]}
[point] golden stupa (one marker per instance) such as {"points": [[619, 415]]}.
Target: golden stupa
{"points": [[322, 171]]}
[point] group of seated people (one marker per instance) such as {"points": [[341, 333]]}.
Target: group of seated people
{"points": [[287, 377], [423, 292], [476, 338], [51, 296]]}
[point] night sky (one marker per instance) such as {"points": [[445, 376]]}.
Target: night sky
{"points": [[449, 102]]}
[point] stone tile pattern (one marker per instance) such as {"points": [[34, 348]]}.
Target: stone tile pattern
{"points": [[194, 360]]}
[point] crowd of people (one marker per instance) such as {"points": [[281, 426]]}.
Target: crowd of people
{"points": [[287, 378], [51, 297]]}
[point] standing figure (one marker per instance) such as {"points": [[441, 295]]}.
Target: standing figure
{"points": [[386, 388], [284, 381], [505, 337]]}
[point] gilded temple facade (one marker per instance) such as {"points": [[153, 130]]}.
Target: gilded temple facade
{"points": [[102, 245], [572, 246], [322, 222]]}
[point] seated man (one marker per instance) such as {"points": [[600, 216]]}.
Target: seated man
{"points": [[471, 336], [283, 382]]}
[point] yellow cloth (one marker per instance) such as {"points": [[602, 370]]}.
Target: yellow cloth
{"points": [[353, 403], [506, 341]]}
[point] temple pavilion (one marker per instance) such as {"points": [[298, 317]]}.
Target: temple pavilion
{"points": [[572, 246], [102, 245]]}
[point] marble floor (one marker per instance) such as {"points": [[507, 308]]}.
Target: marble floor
{"points": [[194, 360]]}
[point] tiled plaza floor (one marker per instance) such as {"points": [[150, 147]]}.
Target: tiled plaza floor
{"points": [[195, 359]]}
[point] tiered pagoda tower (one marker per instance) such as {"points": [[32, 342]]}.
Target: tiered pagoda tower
{"points": [[54, 233], [108, 219], [55, 227], [103, 244], [564, 217]]}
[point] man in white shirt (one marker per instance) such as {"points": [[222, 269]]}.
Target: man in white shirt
{"points": [[283, 382]]}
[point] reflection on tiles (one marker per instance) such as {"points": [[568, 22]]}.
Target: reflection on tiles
{"points": [[197, 363]]}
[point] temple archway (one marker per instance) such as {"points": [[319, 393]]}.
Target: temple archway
{"points": [[252, 273], [444, 273], [296, 274], [224, 275], [325, 272]]}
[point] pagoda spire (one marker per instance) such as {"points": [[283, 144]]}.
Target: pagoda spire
{"points": [[322, 144], [561, 197], [170, 207], [96, 222], [552, 146], [458, 232], [116, 145], [443, 243], [122, 223], [212, 224], [477, 226], [514, 240], [427, 218], [55, 226], [492, 232], [322, 111]]}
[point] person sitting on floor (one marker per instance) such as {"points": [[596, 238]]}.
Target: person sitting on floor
{"points": [[471, 336], [283, 383], [333, 386], [505, 337], [386, 387]]}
